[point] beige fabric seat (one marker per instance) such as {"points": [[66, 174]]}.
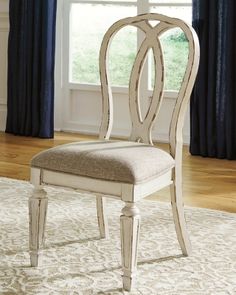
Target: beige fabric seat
{"points": [[127, 162]]}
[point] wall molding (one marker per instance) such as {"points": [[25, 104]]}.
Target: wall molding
{"points": [[4, 29], [3, 115], [4, 22], [91, 129], [4, 6]]}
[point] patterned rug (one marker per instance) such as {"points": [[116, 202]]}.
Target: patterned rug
{"points": [[76, 261]]}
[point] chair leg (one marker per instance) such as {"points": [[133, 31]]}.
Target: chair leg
{"points": [[130, 226], [37, 218], [179, 218], [102, 218]]}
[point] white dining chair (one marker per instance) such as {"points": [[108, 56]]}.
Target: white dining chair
{"points": [[126, 170]]}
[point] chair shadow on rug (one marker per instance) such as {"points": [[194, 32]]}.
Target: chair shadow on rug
{"points": [[66, 243], [126, 170]]}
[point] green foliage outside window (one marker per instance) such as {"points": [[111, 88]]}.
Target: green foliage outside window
{"points": [[85, 59]]}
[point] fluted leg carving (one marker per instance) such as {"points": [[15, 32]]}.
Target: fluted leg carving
{"points": [[130, 226], [37, 219], [102, 218]]}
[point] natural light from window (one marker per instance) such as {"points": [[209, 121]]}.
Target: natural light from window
{"points": [[89, 22]]}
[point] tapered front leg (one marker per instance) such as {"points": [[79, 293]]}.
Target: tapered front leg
{"points": [[102, 218], [178, 214], [37, 219], [130, 226]]}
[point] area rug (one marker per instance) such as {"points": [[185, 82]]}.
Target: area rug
{"points": [[76, 261]]}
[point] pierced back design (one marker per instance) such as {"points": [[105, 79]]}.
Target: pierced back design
{"points": [[142, 127]]}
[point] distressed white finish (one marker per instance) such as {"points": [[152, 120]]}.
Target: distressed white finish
{"points": [[141, 131], [130, 227], [102, 218], [37, 217]]}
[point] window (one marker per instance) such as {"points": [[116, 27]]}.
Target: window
{"points": [[89, 20]]}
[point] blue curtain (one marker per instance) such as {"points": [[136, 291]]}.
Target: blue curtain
{"points": [[213, 103], [31, 55]]}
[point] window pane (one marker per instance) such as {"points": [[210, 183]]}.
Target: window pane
{"points": [[182, 12], [175, 48], [116, 1], [88, 24], [122, 55]]}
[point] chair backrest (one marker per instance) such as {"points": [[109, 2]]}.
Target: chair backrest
{"points": [[141, 128]]}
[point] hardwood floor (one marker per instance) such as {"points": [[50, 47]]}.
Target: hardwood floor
{"points": [[208, 183]]}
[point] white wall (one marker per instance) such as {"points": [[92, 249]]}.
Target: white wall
{"points": [[4, 29]]}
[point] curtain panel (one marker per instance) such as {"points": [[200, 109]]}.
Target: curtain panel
{"points": [[213, 103], [31, 55]]}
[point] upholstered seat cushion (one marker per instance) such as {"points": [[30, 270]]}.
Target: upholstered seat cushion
{"points": [[120, 161]]}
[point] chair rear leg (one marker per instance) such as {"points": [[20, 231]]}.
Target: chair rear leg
{"points": [[179, 218], [130, 227], [37, 218], [102, 218]]}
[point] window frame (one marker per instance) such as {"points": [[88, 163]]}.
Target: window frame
{"points": [[143, 6]]}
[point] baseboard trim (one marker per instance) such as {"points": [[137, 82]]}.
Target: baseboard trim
{"points": [[3, 117], [119, 132], [87, 129]]}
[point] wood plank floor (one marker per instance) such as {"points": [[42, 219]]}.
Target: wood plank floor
{"points": [[208, 183]]}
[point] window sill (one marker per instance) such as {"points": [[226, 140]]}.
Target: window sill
{"points": [[170, 94]]}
